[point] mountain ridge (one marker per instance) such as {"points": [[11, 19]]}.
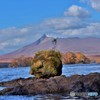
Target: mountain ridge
{"points": [[88, 46]]}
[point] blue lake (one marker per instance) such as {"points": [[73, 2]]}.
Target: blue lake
{"points": [[7, 74]]}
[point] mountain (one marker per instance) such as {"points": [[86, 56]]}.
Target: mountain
{"points": [[89, 46]]}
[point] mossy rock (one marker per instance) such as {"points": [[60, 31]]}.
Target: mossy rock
{"points": [[46, 64]]}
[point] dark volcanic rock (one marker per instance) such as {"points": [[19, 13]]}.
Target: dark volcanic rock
{"points": [[78, 86], [95, 86], [57, 84]]}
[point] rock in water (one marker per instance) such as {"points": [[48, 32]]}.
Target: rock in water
{"points": [[46, 64]]}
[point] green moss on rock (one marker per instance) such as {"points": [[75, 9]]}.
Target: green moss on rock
{"points": [[46, 64]]}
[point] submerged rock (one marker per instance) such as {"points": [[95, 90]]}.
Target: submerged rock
{"points": [[46, 64]]}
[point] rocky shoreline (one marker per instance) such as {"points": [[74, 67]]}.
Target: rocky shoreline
{"points": [[57, 84]]}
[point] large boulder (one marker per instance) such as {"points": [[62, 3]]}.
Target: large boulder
{"points": [[46, 64]]}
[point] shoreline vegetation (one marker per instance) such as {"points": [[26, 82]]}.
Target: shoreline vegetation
{"points": [[46, 64], [67, 58]]}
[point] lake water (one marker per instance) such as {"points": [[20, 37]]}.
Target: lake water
{"points": [[7, 74]]}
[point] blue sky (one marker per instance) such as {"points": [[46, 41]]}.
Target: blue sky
{"points": [[24, 21], [22, 12]]}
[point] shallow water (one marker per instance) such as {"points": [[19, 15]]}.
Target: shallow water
{"points": [[68, 70], [80, 69]]}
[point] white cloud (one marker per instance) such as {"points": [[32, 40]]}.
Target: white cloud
{"points": [[77, 11], [95, 4], [63, 23], [92, 29], [11, 42], [2, 45], [24, 30]]}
